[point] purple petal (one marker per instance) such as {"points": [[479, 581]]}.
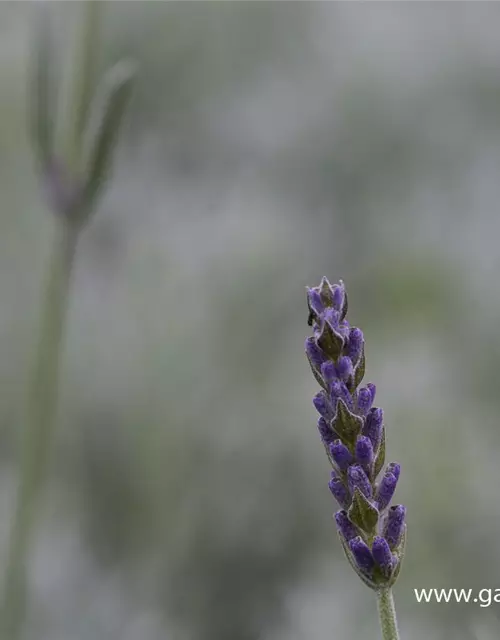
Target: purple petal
{"points": [[338, 296], [382, 554], [339, 491], [340, 455], [394, 468], [386, 490], [373, 390], [362, 554], [332, 318], [315, 301], [364, 452], [373, 426], [315, 354], [345, 526], [344, 368], [394, 525], [326, 432], [339, 391], [355, 344], [322, 405], [364, 401], [344, 329], [357, 479], [328, 371]]}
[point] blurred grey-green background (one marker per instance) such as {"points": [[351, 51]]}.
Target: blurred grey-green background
{"points": [[268, 144]]}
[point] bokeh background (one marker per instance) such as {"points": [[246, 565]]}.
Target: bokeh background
{"points": [[268, 144]]}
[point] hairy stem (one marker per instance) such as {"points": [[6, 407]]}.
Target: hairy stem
{"points": [[39, 426], [387, 615]]}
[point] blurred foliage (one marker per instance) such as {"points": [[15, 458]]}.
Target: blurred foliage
{"points": [[269, 144]]}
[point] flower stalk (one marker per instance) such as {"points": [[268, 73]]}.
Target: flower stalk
{"points": [[40, 424], [72, 178], [371, 531], [387, 615]]}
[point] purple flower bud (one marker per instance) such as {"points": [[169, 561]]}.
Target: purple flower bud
{"points": [[332, 318], [323, 407], [345, 526], [315, 354], [339, 491], [394, 468], [394, 525], [327, 434], [362, 554], [340, 455], [339, 391], [373, 426], [364, 452], [355, 344], [386, 490], [344, 368], [328, 371], [315, 301], [382, 555], [332, 331], [357, 479], [364, 401], [338, 296], [373, 390], [344, 330]]}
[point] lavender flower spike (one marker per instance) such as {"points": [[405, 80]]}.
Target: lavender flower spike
{"points": [[371, 531]]}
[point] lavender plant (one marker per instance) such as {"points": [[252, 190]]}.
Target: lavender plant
{"points": [[73, 162], [372, 532]]}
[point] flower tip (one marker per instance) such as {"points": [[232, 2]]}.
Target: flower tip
{"points": [[394, 468], [382, 554], [362, 554], [372, 389], [355, 344], [345, 527], [394, 525], [364, 400], [344, 368], [386, 490], [339, 492], [373, 425], [364, 451], [357, 479], [340, 454]]}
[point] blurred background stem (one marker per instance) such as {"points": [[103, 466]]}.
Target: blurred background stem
{"points": [[40, 422]]}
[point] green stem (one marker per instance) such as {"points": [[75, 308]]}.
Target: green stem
{"points": [[387, 615], [39, 427]]}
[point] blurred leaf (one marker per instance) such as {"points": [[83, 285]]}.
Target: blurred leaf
{"points": [[107, 116], [43, 96]]}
